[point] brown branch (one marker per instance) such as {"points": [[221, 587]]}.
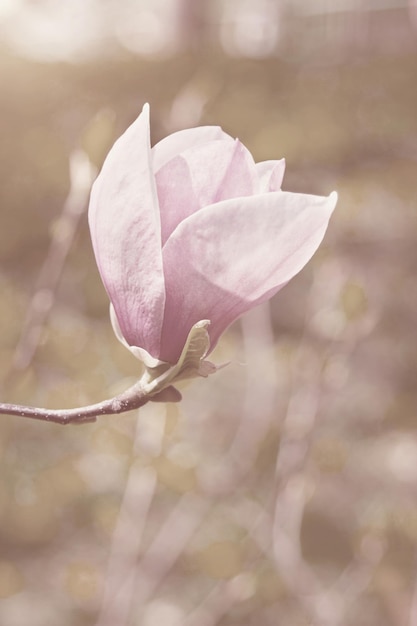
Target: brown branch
{"points": [[131, 399]]}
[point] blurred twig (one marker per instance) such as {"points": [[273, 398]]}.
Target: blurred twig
{"points": [[257, 407], [221, 599], [82, 174], [325, 606], [169, 543], [413, 607], [119, 584], [260, 391], [131, 578]]}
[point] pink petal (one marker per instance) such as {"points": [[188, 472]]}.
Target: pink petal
{"points": [[221, 170], [202, 175], [174, 144], [228, 257], [177, 199], [125, 231], [270, 175]]}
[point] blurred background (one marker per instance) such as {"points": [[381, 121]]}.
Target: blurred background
{"points": [[282, 490]]}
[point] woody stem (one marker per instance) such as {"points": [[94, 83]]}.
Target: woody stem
{"points": [[132, 398]]}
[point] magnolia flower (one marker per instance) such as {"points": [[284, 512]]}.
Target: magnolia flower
{"points": [[190, 234]]}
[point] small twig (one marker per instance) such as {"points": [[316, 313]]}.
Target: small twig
{"points": [[260, 389], [119, 584], [126, 545], [413, 608], [131, 578], [169, 543], [132, 398], [82, 174], [221, 599]]}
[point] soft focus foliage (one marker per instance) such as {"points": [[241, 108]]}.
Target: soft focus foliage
{"points": [[266, 490]]}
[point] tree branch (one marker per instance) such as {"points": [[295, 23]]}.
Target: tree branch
{"points": [[131, 399]]}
